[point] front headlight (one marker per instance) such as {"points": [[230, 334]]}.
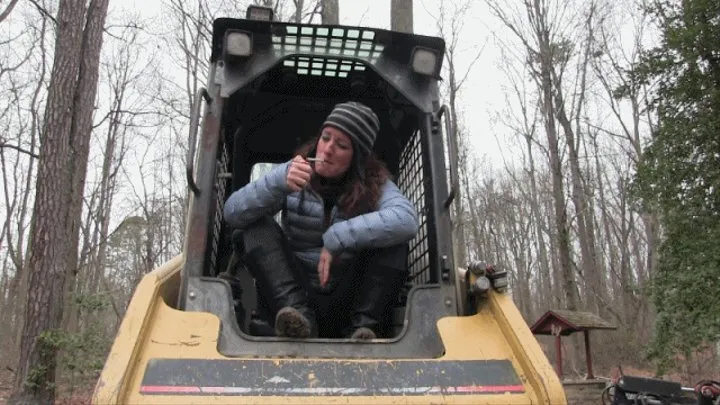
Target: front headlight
{"points": [[238, 43], [259, 13], [424, 61]]}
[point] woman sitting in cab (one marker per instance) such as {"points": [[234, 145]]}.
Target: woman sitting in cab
{"points": [[338, 262]]}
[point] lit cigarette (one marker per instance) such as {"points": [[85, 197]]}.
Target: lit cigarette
{"points": [[312, 159]]}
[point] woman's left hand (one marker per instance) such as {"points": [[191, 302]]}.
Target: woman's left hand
{"points": [[326, 259]]}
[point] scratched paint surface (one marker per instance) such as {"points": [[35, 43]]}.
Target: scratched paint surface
{"points": [[307, 377]]}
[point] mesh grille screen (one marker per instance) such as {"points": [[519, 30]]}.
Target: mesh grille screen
{"points": [[410, 181], [319, 66], [330, 49], [336, 41], [221, 183]]}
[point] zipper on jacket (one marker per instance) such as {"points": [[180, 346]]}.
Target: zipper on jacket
{"points": [[327, 209]]}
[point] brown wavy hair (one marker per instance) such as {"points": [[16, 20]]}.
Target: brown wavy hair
{"points": [[355, 196]]}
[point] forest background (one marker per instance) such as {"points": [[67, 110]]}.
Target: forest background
{"points": [[589, 160]]}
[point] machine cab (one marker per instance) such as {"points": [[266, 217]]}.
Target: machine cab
{"points": [[271, 86], [190, 333]]}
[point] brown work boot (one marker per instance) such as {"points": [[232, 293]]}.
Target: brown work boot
{"points": [[270, 264], [363, 334], [290, 322]]}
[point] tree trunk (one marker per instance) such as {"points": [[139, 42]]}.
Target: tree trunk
{"points": [[540, 62], [298, 11], [460, 245], [402, 20], [561, 221], [401, 15], [586, 237], [535, 205], [475, 222], [107, 193], [60, 182], [81, 130], [587, 248], [612, 248], [330, 12], [20, 253], [548, 87], [626, 279], [114, 152], [8, 9]]}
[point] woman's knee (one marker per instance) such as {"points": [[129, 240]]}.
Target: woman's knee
{"points": [[263, 232]]}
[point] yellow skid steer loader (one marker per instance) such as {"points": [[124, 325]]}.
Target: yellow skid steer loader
{"points": [[193, 333]]}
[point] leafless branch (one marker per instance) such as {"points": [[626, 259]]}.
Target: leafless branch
{"points": [[8, 10], [315, 11], [43, 11], [5, 145]]}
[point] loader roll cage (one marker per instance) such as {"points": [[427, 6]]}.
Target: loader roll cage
{"points": [[270, 87]]}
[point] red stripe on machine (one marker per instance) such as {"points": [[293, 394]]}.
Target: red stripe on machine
{"points": [[339, 391], [487, 388], [168, 389]]}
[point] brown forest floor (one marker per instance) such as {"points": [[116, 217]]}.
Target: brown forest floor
{"points": [[6, 380], [79, 394]]}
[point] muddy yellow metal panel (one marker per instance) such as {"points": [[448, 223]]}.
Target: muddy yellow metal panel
{"points": [[165, 356]]}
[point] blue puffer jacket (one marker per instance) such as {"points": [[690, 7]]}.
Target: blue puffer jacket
{"points": [[394, 222]]}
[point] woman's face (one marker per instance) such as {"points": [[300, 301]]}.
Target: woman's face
{"points": [[335, 151]]}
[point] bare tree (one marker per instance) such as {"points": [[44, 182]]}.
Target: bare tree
{"points": [[19, 171], [60, 183], [595, 285], [613, 67], [630, 238], [450, 24], [522, 117], [298, 15], [127, 114], [401, 15], [305, 11], [8, 9], [544, 55], [330, 12], [594, 125]]}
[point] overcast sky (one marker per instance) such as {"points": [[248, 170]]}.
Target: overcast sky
{"points": [[481, 96]]}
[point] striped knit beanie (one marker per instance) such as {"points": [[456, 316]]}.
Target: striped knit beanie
{"points": [[361, 124]]}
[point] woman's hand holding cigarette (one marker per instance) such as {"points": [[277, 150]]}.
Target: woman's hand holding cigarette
{"points": [[299, 173]]}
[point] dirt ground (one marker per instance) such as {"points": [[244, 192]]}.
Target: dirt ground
{"points": [[6, 380], [79, 395]]}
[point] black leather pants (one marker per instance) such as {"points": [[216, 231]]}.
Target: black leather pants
{"points": [[363, 293]]}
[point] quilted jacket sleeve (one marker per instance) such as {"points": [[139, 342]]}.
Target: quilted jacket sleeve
{"points": [[263, 197], [394, 222]]}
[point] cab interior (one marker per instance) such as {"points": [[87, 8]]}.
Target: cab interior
{"points": [[267, 119]]}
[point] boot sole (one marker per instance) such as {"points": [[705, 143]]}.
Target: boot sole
{"points": [[289, 322], [363, 334]]}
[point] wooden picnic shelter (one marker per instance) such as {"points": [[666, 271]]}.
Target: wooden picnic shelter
{"points": [[560, 323]]}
